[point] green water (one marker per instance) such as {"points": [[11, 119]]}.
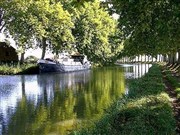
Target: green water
{"points": [[56, 104]]}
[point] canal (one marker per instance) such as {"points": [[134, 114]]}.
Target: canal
{"points": [[59, 103]]}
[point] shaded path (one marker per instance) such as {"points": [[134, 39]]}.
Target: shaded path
{"points": [[175, 101]]}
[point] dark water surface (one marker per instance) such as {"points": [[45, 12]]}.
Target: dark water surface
{"points": [[54, 104]]}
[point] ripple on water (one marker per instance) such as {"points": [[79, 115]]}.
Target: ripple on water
{"points": [[7, 84]]}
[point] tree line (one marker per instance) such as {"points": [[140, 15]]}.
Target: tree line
{"points": [[149, 27], [82, 26], [87, 26]]}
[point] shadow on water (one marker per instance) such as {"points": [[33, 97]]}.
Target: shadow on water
{"points": [[57, 103]]}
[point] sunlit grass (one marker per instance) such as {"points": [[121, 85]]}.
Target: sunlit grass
{"points": [[146, 115], [11, 69]]}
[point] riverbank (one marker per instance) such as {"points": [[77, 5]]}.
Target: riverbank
{"points": [[24, 69], [171, 78], [16, 69], [147, 109]]}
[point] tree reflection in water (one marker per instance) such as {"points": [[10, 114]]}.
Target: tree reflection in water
{"points": [[56, 103]]}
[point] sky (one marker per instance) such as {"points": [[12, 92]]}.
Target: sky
{"points": [[115, 16], [35, 52]]}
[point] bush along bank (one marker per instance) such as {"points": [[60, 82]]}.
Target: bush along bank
{"points": [[14, 69], [146, 110]]}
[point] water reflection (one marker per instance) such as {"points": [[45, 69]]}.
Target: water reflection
{"points": [[56, 103], [135, 70]]}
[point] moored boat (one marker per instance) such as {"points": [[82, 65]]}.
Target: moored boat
{"points": [[66, 63]]}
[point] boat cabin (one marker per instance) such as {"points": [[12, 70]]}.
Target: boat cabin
{"points": [[78, 58]]}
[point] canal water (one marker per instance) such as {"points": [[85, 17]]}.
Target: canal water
{"points": [[59, 103]]}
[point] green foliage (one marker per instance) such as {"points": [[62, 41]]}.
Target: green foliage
{"points": [[50, 23], [173, 80], [151, 27], [6, 69], [144, 86], [93, 29], [15, 17], [30, 21], [147, 115], [178, 92], [12, 69]]}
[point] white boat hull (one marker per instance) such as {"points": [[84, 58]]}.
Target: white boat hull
{"points": [[59, 67]]}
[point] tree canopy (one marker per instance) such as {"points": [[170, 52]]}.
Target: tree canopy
{"points": [[41, 21], [93, 29], [144, 27], [60, 25], [151, 27]]}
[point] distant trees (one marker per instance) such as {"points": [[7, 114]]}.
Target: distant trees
{"points": [[149, 27], [56, 25], [144, 27]]}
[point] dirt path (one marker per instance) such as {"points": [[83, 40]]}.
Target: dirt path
{"points": [[175, 102]]}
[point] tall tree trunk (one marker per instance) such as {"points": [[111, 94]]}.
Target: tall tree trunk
{"points": [[165, 58], [44, 45], [152, 59], [22, 58], [145, 58], [156, 58], [171, 58], [174, 57]]}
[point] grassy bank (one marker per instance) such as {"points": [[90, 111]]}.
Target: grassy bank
{"points": [[173, 81], [146, 110], [13, 69]]}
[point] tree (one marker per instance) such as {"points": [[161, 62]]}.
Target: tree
{"points": [[92, 32], [151, 27], [15, 17], [52, 25], [49, 23], [40, 21]]}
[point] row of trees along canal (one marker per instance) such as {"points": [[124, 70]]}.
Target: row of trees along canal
{"points": [[150, 59], [143, 27], [149, 28]]}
